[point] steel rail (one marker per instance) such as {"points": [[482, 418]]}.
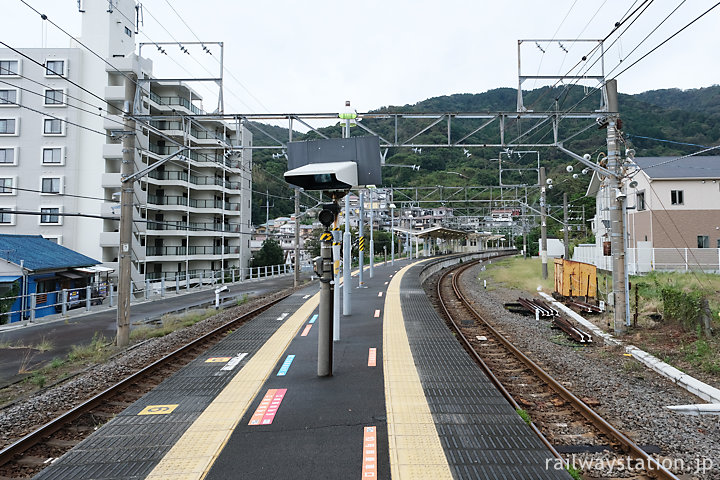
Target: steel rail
{"points": [[36, 436], [652, 466]]}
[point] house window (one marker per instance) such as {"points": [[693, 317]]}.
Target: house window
{"points": [[50, 215], [52, 156], [51, 185], [676, 197], [6, 218], [703, 241], [54, 97], [128, 32], [8, 97], [8, 126], [641, 201], [9, 67], [7, 156], [53, 126], [6, 186], [54, 68]]}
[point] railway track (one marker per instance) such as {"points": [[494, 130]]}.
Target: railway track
{"points": [[564, 422], [30, 454]]}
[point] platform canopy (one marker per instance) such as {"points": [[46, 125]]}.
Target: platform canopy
{"points": [[436, 232]]}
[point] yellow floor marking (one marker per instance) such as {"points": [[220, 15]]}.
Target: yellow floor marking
{"points": [[218, 360], [196, 451], [158, 409], [415, 448]]}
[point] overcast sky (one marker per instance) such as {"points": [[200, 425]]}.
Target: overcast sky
{"points": [[311, 56]]}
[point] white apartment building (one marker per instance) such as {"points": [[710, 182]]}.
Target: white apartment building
{"points": [[191, 215]]}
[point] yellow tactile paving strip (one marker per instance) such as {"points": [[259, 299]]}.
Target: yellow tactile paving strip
{"points": [[193, 455], [415, 448]]}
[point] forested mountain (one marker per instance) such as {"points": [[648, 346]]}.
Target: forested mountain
{"points": [[684, 116]]}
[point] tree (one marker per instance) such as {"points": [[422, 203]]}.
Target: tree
{"points": [[270, 253]]}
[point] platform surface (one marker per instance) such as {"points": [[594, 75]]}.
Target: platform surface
{"points": [[405, 401]]}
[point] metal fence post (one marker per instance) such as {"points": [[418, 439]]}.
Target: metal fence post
{"points": [[265, 271], [111, 288], [200, 280], [33, 303], [232, 275], [147, 289], [162, 287], [88, 295], [63, 298], [177, 284]]}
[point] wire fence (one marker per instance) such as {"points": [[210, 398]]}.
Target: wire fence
{"points": [[156, 285], [645, 260]]}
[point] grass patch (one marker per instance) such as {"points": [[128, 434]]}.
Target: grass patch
{"points": [[524, 415], [38, 379], [56, 363], [519, 273], [243, 300], [170, 323], [98, 350], [45, 345], [574, 472]]}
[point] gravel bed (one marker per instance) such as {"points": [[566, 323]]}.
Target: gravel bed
{"points": [[25, 416], [632, 397]]}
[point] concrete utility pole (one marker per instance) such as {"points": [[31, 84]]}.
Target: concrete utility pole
{"points": [[127, 168], [543, 225], [296, 275], [617, 199], [347, 115], [566, 228]]}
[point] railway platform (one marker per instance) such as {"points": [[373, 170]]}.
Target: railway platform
{"points": [[405, 401]]}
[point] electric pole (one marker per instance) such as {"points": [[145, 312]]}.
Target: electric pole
{"points": [[543, 225], [617, 199], [127, 168], [566, 235], [296, 273]]}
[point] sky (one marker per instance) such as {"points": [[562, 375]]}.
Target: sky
{"points": [[284, 56]]}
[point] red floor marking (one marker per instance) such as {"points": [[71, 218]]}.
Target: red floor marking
{"points": [[369, 463], [262, 408], [377, 313], [306, 331], [372, 357]]}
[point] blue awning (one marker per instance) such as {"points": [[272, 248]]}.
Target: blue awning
{"points": [[9, 278]]}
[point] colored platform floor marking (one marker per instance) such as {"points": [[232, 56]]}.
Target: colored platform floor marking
{"points": [[306, 331], [194, 453], [410, 424], [158, 409], [372, 357], [234, 361], [377, 314], [218, 360], [369, 462], [285, 366], [265, 412], [313, 318]]}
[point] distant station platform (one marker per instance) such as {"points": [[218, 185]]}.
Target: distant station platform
{"points": [[405, 401]]}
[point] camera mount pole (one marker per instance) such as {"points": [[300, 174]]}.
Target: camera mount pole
{"points": [[325, 320], [361, 240]]}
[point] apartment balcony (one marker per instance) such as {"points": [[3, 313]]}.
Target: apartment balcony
{"points": [[112, 150], [183, 228], [180, 104], [115, 93], [110, 180], [172, 253], [113, 122]]}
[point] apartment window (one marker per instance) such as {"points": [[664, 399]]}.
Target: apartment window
{"points": [[6, 186], [8, 126], [7, 156], [54, 97], [53, 126], [676, 197], [52, 156], [8, 97], [6, 218], [128, 32], [50, 215], [51, 185], [640, 201], [703, 241], [10, 67], [54, 68]]}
